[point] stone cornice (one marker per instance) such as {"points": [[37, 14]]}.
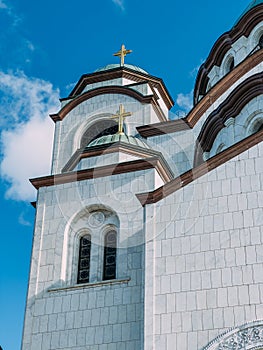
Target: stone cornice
{"points": [[130, 149], [163, 128], [224, 43], [230, 108], [223, 85], [103, 171], [204, 168], [111, 89], [123, 72], [207, 101]]}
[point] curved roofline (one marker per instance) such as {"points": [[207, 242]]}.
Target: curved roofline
{"points": [[111, 89], [116, 65], [122, 72], [243, 27], [119, 137], [206, 102], [231, 107]]}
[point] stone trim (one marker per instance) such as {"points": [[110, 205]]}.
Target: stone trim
{"points": [[123, 72], [223, 85], [111, 89], [247, 336], [230, 108], [224, 43], [112, 148], [103, 171], [207, 101], [90, 285], [196, 172], [168, 127]]}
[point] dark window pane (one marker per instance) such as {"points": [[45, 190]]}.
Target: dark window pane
{"points": [[84, 259], [109, 266], [101, 128]]}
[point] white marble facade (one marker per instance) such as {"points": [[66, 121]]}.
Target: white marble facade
{"points": [[189, 266]]}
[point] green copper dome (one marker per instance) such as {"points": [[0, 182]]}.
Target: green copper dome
{"points": [[250, 6], [108, 139], [112, 66]]}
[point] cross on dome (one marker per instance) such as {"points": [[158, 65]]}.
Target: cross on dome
{"points": [[120, 115], [122, 53]]}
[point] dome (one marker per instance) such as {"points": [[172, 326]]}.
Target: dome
{"points": [[108, 139], [116, 65], [250, 6]]}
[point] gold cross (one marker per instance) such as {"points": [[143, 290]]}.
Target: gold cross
{"points": [[122, 53], [121, 114]]}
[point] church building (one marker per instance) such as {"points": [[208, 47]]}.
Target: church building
{"points": [[149, 231]]}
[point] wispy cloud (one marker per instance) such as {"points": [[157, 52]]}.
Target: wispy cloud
{"points": [[27, 131], [119, 3], [22, 221], [185, 101], [3, 5]]}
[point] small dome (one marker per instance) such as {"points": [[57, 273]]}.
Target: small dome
{"points": [[108, 139], [115, 65]]}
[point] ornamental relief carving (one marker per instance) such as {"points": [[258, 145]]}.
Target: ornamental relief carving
{"points": [[247, 337]]}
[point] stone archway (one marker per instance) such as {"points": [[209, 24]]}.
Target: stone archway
{"points": [[248, 337]]}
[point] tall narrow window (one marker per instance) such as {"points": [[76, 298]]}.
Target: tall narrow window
{"points": [[84, 259], [110, 249]]}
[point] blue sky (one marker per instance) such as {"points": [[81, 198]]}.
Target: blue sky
{"points": [[45, 47]]}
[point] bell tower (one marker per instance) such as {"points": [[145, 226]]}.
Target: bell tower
{"points": [[86, 287]]}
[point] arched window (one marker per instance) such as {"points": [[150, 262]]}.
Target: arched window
{"points": [[84, 259], [110, 250], [230, 64], [258, 126], [101, 128], [255, 126]]}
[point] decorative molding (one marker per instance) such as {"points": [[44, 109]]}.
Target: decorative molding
{"points": [[111, 89], [223, 44], [198, 171], [167, 127], [230, 121], [230, 108], [222, 86], [123, 72], [103, 171], [248, 336], [113, 148], [90, 285], [207, 101]]}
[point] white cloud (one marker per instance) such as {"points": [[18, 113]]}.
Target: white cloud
{"points": [[27, 131], [2, 5], [119, 3], [185, 101], [22, 221]]}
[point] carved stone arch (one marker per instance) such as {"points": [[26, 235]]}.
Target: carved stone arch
{"points": [[104, 90], [99, 128], [228, 64], [220, 148], [248, 337], [224, 43], [87, 125], [254, 123], [89, 220], [96, 126], [255, 37], [230, 108]]}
